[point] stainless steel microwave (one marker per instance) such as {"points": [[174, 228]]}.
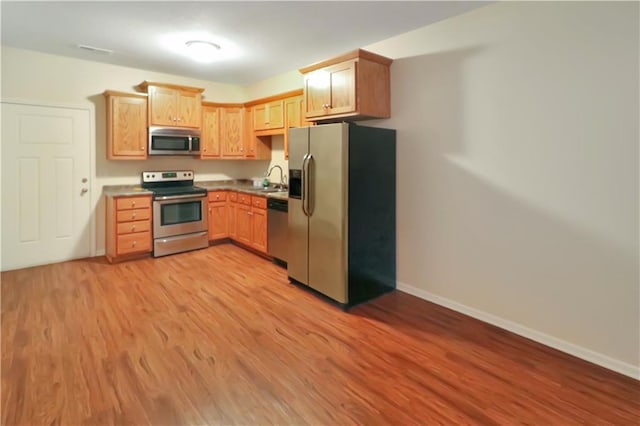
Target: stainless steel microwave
{"points": [[174, 141]]}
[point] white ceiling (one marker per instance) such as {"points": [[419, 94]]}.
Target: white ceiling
{"points": [[271, 37]]}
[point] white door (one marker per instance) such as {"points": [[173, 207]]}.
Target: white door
{"points": [[46, 202]]}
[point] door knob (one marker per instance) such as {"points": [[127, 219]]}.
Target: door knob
{"points": [[84, 180], [84, 191]]}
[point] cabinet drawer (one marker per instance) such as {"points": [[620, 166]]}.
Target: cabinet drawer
{"points": [[135, 214], [259, 202], [137, 226], [217, 196], [131, 243], [125, 203], [244, 199], [233, 196]]}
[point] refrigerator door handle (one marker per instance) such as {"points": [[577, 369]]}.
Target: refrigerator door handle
{"points": [[304, 184], [309, 184]]}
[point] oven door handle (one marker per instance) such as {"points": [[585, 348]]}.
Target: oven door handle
{"points": [[180, 197]]}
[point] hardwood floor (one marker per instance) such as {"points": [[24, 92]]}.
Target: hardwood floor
{"points": [[204, 338]]}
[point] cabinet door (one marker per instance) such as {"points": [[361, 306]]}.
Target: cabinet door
{"points": [[189, 109], [342, 83], [275, 115], [163, 104], [249, 136], [317, 93], [231, 216], [218, 220], [232, 136], [268, 116], [127, 132], [210, 132], [259, 229], [260, 117], [243, 223], [293, 113]]}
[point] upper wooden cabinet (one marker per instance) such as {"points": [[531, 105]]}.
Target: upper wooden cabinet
{"points": [[268, 116], [232, 132], [126, 126], [354, 85], [210, 138], [293, 113], [174, 106]]}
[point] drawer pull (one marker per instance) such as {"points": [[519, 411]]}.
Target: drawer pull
{"points": [[133, 228]]}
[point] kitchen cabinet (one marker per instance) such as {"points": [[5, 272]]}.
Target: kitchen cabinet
{"points": [[174, 106], [243, 224], [218, 212], [250, 220], [259, 223], [293, 113], [128, 227], [210, 138], [126, 126], [232, 205], [256, 147], [232, 132], [354, 85], [268, 115]]}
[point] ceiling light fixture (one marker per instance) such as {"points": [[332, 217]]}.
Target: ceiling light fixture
{"points": [[202, 51]]}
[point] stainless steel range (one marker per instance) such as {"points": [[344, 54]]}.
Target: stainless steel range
{"points": [[179, 212]]}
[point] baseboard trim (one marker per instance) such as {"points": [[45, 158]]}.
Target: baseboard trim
{"points": [[559, 344], [100, 252]]}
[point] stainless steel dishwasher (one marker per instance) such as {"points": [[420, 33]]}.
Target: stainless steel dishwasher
{"points": [[278, 225]]}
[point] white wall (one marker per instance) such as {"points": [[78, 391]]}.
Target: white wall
{"points": [[518, 170], [281, 83], [33, 76]]}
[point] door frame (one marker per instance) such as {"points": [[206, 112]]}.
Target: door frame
{"points": [[94, 197]]}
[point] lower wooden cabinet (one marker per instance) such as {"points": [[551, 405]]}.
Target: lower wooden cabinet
{"points": [[259, 229], [243, 224], [128, 226], [218, 213], [239, 216]]}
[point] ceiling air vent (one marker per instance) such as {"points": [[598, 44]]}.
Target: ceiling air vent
{"points": [[95, 49]]}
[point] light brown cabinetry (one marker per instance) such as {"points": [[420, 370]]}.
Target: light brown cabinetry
{"points": [[268, 115], [232, 205], [248, 220], [128, 227], [174, 106], [210, 137], [126, 126], [232, 132], [218, 213], [259, 223], [293, 115], [256, 146], [355, 85]]}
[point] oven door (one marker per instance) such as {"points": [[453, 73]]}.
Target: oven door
{"points": [[178, 215]]}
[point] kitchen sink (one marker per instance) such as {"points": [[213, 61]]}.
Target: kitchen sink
{"points": [[268, 190]]}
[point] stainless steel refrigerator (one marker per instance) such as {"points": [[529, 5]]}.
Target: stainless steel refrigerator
{"points": [[342, 210]]}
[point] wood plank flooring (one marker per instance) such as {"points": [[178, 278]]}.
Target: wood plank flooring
{"points": [[218, 336]]}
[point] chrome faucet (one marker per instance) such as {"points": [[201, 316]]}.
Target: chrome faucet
{"points": [[282, 183]]}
